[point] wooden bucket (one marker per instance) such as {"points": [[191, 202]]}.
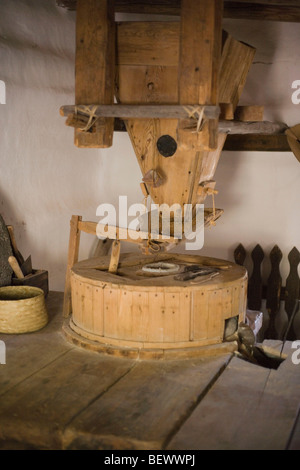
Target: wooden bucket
{"points": [[129, 311], [22, 309]]}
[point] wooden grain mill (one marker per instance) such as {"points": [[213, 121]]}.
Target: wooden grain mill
{"points": [[176, 87]]}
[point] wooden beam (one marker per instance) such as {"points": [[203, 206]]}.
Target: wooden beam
{"points": [[260, 127], [95, 65], [178, 112], [250, 11], [249, 113], [73, 251], [257, 143], [199, 64], [127, 111], [115, 256], [242, 113], [273, 10]]}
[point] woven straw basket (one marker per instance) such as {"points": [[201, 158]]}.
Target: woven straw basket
{"points": [[22, 309]]}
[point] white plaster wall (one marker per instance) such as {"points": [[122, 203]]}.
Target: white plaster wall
{"points": [[44, 178]]}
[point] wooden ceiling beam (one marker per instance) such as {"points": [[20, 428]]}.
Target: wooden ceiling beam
{"points": [[271, 10]]}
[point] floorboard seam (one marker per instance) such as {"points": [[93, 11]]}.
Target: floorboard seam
{"points": [[194, 405], [38, 370], [65, 428]]}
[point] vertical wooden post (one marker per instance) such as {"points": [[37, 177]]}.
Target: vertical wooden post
{"points": [[199, 64], [72, 259], [115, 256], [95, 67]]}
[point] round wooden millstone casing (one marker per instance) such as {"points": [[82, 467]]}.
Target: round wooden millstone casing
{"points": [[140, 316]]}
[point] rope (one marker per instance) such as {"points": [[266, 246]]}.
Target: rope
{"points": [[91, 112], [211, 192], [197, 113], [151, 244]]}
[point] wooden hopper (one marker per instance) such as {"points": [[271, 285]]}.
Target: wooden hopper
{"points": [[158, 71]]}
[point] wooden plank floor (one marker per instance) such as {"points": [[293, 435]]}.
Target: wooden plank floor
{"points": [[54, 395]]}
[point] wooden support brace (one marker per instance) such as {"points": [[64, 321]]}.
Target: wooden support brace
{"points": [[115, 256], [94, 69], [72, 259], [199, 62]]}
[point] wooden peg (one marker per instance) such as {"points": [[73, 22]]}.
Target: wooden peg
{"points": [[115, 256]]}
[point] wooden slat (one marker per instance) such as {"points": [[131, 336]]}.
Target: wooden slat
{"points": [[249, 408], [236, 61], [273, 292], [138, 46], [74, 240], [94, 68], [143, 408], [255, 284], [292, 290], [119, 233]]}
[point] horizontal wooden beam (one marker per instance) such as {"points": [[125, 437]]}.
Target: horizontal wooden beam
{"points": [[260, 127], [253, 11], [174, 112], [127, 111], [272, 10], [257, 143]]}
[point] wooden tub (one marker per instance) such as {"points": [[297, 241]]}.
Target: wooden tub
{"points": [[132, 314]]}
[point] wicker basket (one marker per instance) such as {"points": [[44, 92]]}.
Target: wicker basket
{"points": [[22, 309]]}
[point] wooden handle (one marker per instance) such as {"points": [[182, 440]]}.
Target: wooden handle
{"points": [[15, 267], [16, 252]]}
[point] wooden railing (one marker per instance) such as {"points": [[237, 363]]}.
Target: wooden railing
{"points": [[273, 290]]}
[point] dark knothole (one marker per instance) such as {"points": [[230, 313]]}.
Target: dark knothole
{"points": [[166, 146]]}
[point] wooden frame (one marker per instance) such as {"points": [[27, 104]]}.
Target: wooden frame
{"points": [[268, 10], [77, 225]]}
